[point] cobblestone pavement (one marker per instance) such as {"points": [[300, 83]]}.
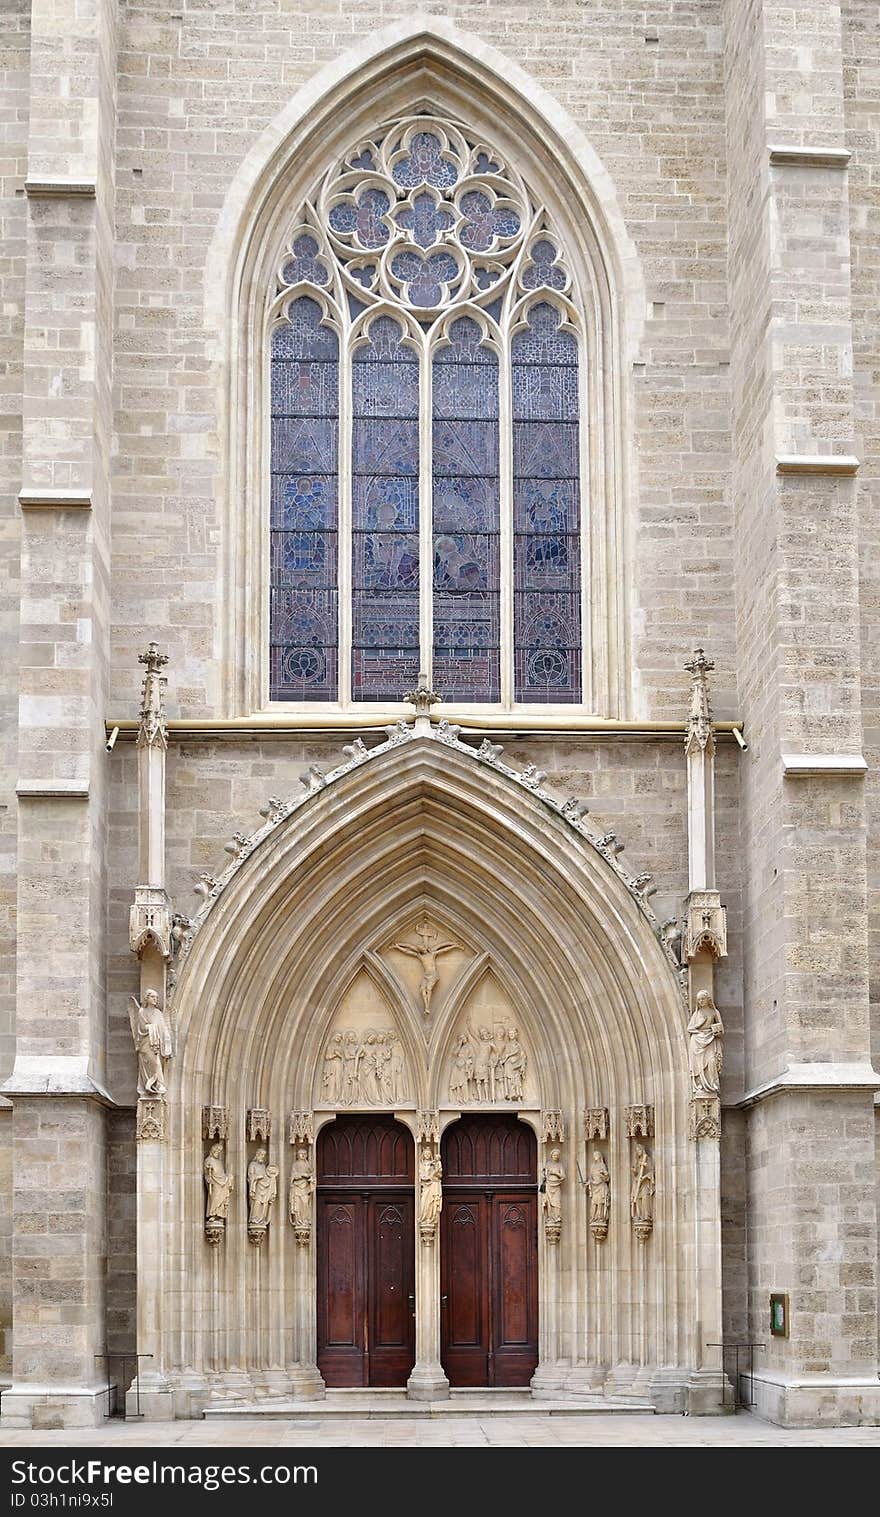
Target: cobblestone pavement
{"points": [[538, 1431]]}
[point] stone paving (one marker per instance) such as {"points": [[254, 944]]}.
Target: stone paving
{"points": [[538, 1431]]}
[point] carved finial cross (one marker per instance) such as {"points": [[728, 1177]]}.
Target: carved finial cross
{"points": [[152, 713], [700, 716], [423, 697]]}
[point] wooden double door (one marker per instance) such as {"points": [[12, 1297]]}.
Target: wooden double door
{"points": [[365, 1252], [489, 1253]]}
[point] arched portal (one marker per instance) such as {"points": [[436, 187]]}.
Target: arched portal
{"points": [[554, 997]]}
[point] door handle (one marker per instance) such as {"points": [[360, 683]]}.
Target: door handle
{"points": [[411, 1298]]}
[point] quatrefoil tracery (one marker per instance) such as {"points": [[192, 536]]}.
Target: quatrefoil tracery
{"points": [[422, 218]]}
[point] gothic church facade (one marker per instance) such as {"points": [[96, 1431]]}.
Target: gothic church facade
{"points": [[441, 703]]}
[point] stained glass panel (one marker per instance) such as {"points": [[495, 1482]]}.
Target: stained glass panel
{"points": [[466, 518], [546, 511], [303, 610], [385, 515]]}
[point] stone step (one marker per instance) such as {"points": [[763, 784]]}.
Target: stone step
{"points": [[372, 1403]]}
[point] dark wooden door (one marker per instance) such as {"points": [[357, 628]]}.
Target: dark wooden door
{"points": [[489, 1253], [365, 1253]]}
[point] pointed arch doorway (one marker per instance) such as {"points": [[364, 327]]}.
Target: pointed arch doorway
{"points": [[489, 1252], [365, 1252]]}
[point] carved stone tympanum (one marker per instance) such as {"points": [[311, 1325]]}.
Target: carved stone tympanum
{"points": [[488, 1066], [364, 1069], [427, 949]]}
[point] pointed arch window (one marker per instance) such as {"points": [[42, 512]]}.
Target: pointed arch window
{"points": [[427, 452]]}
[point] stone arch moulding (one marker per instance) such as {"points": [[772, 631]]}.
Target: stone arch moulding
{"points": [[423, 818], [423, 60]]}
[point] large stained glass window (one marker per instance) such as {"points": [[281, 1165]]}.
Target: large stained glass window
{"points": [[426, 451], [546, 515], [303, 517]]}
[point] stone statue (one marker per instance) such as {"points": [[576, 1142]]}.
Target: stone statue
{"points": [[599, 1186], [430, 1193], [485, 1056], [642, 1193], [352, 1054], [331, 1082], [152, 1040], [427, 953], [299, 1201], [462, 1072], [396, 1068], [511, 1071], [262, 1181], [551, 1200], [220, 1186], [705, 1052]]}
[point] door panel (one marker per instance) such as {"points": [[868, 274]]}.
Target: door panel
{"points": [[489, 1252], [365, 1252]]}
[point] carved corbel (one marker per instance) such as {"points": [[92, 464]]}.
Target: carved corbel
{"points": [[259, 1124], [639, 1121], [595, 1123], [152, 1123], [704, 1117], [705, 925], [215, 1124], [300, 1127]]}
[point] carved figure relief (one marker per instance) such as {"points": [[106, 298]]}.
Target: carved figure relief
{"points": [[599, 1187], [705, 1033], [220, 1186], [551, 1199], [642, 1193], [299, 1201], [152, 1040], [262, 1181], [364, 1069], [430, 1193], [427, 950], [489, 1065]]}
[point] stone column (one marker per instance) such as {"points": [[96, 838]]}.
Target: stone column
{"points": [[58, 1082], [428, 1380], [550, 1375], [796, 544], [304, 1379]]}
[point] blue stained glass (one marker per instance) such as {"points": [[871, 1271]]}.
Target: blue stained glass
{"points": [[363, 160], [424, 164], [385, 514], [544, 271], [305, 263], [363, 216], [483, 222], [483, 164], [466, 578], [546, 511], [303, 551], [424, 220], [424, 277], [365, 274]]}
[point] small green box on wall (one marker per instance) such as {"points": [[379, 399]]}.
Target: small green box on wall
{"points": [[778, 1314]]}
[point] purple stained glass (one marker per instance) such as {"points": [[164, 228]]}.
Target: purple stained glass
{"points": [[483, 222], [305, 263], [303, 607], [424, 220], [385, 514], [544, 271], [546, 510], [424, 278], [466, 517], [362, 215], [424, 163]]}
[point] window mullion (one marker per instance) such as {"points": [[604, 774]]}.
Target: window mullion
{"points": [[426, 518], [344, 549], [505, 524]]}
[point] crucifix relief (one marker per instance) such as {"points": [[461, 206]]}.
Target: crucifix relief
{"points": [[427, 950]]}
